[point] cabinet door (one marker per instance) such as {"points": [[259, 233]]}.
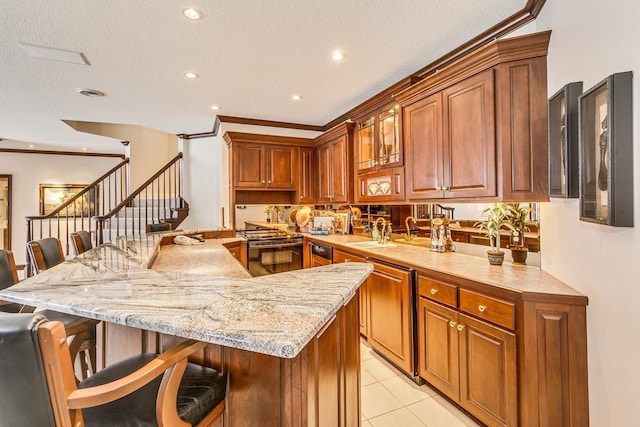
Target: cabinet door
{"points": [[422, 128], [488, 384], [363, 290], [249, 165], [339, 170], [305, 180], [282, 167], [390, 317], [325, 183], [469, 138], [327, 375], [438, 347]]}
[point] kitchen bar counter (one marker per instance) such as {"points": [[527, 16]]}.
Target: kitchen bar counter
{"points": [[275, 315]]}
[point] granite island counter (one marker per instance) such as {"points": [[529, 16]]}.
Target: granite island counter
{"points": [[283, 339]]}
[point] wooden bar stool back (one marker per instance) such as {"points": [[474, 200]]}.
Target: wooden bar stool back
{"points": [[143, 390]]}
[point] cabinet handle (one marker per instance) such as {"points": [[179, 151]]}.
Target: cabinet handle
{"points": [[482, 308], [347, 260], [460, 327], [452, 324], [445, 188], [269, 181], [263, 181], [434, 291]]}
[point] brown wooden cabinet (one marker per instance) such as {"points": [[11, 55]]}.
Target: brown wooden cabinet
{"points": [[450, 142], [477, 129], [471, 361], [335, 172], [363, 290], [306, 176], [390, 305], [265, 167]]}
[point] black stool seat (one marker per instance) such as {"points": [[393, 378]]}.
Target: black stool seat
{"points": [[200, 390]]}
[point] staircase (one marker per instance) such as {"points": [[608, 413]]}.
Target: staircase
{"points": [[107, 209]]}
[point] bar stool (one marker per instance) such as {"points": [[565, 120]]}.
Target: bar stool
{"points": [[45, 254], [143, 390], [81, 241]]}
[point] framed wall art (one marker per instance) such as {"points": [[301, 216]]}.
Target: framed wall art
{"points": [[563, 141], [606, 152], [54, 195]]}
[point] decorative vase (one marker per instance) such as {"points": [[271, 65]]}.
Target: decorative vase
{"points": [[495, 257], [519, 255]]}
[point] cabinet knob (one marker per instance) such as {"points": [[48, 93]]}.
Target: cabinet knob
{"points": [[263, 181], [434, 291], [269, 181], [482, 308], [445, 188], [347, 260], [452, 323], [301, 197], [460, 327]]}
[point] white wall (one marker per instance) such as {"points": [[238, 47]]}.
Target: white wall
{"points": [[30, 170], [591, 40]]}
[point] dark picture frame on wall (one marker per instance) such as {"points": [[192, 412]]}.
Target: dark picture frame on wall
{"points": [[606, 151], [563, 141]]}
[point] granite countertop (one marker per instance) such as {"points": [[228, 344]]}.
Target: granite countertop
{"points": [[217, 303], [522, 279]]}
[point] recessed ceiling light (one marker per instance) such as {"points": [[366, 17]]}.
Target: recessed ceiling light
{"points": [[89, 92], [296, 97], [191, 13], [215, 107], [191, 75], [337, 56], [30, 146], [84, 148]]}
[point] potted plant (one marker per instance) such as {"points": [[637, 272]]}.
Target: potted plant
{"points": [[496, 220], [518, 217]]}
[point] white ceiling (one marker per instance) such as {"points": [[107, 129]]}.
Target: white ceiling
{"points": [[251, 57]]}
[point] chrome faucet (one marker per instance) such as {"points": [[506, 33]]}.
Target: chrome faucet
{"points": [[381, 234], [408, 236]]}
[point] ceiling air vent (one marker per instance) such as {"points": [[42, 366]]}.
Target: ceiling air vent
{"points": [[90, 92]]}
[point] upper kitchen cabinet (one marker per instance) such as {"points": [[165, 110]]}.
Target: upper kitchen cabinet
{"points": [[477, 129], [335, 173], [377, 139], [266, 169], [306, 177]]}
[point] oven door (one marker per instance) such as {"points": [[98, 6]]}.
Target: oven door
{"points": [[273, 257]]}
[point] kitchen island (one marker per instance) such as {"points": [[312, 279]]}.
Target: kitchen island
{"points": [[284, 339]]}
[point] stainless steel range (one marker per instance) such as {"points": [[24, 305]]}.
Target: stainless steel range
{"points": [[273, 251]]}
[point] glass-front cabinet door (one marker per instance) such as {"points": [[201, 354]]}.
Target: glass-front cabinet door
{"points": [[389, 132], [378, 139]]}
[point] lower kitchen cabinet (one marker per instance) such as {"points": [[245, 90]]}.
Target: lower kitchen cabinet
{"points": [[390, 297], [507, 356], [470, 361]]}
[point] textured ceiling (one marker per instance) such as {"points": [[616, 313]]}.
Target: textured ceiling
{"points": [[251, 57]]}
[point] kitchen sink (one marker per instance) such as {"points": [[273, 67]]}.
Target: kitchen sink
{"points": [[417, 241], [370, 244]]}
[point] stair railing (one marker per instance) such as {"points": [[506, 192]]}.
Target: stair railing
{"points": [[97, 198], [157, 200]]}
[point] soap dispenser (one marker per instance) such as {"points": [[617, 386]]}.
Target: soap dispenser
{"points": [[389, 233]]}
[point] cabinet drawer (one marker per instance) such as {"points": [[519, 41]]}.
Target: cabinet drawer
{"points": [[494, 310], [339, 256], [437, 291]]}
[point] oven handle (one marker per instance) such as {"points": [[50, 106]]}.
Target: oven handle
{"points": [[275, 245]]}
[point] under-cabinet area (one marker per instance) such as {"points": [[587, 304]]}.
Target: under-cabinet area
{"points": [[507, 344]]}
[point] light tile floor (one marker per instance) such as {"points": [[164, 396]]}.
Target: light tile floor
{"points": [[390, 399]]}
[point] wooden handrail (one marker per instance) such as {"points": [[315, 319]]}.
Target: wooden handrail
{"points": [[128, 200], [72, 201]]}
